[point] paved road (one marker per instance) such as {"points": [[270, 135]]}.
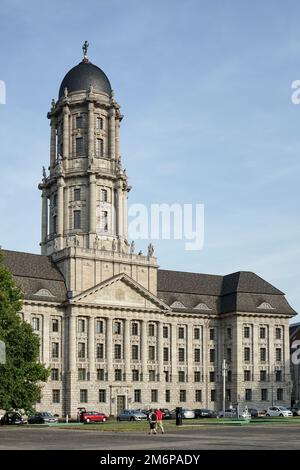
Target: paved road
{"points": [[241, 437]]}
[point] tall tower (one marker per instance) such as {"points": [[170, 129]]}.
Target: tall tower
{"points": [[84, 197]]}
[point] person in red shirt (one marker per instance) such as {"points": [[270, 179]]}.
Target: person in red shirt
{"points": [[159, 417]]}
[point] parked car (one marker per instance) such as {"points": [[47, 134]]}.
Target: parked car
{"points": [[131, 415], [93, 417], [295, 410], [165, 411], [204, 413], [255, 413], [13, 417], [233, 413], [42, 417], [187, 413], [279, 411]]}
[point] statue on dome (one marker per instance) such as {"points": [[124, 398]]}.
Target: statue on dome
{"points": [[85, 49]]}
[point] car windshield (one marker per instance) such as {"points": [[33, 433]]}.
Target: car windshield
{"points": [[46, 415], [282, 408]]}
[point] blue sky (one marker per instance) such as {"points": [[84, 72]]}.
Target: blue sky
{"points": [[205, 88]]}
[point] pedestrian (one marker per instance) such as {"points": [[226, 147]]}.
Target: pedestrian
{"points": [[152, 422], [159, 417]]}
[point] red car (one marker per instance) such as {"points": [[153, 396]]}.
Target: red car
{"points": [[93, 417]]}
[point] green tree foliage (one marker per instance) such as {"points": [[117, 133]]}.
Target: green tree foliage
{"points": [[21, 376]]}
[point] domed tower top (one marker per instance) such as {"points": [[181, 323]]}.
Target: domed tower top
{"points": [[83, 76]]}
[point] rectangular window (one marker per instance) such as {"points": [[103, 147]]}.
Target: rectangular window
{"points": [[212, 376], [212, 334], [99, 148], [262, 332], [55, 350], [135, 352], [102, 395], [246, 332], [151, 329], [212, 355], [165, 332], [99, 327], [229, 376], [35, 323], [100, 374], [83, 395], [197, 376], [263, 354], [181, 354], [55, 396], [228, 354], [118, 351], [198, 395], [81, 350], [264, 394], [103, 195], [167, 376], [246, 354], [81, 374], [152, 375], [263, 375], [278, 333], [196, 333], [117, 328], [135, 375], [197, 355], [229, 333], [248, 394], [181, 332], [212, 395], [104, 221], [154, 396], [228, 395], [79, 122], [100, 351], [54, 374], [247, 375], [137, 395], [77, 194], [181, 376], [55, 325], [279, 394], [151, 352], [168, 396], [79, 146], [99, 122], [278, 375], [278, 354], [134, 328], [166, 354], [182, 395], [77, 219], [118, 375], [81, 326]]}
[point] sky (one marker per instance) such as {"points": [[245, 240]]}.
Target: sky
{"points": [[205, 89]]}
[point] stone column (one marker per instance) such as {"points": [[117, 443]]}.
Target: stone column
{"points": [[144, 350], [160, 351], [92, 204], [72, 343], [66, 114], [174, 352], [127, 349], [52, 141], [60, 206], [91, 346], [125, 215], [112, 134], [117, 149], [91, 130], [44, 216], [109, 349], [120, 210]]}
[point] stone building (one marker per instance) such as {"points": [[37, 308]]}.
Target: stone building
{"points": [[117, 331]]}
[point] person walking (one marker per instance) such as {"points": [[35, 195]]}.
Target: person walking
{"points": [[159, 417], [152, 422]]}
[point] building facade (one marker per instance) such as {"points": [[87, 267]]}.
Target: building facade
{"points": [[115, 330]]}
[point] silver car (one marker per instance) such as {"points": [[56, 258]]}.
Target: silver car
{"points": [[131, 415]]}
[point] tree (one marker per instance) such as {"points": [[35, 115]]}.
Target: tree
{"points": [[21, 376]]}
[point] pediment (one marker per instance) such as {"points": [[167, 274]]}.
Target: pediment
{"points": [[121, 291]]}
